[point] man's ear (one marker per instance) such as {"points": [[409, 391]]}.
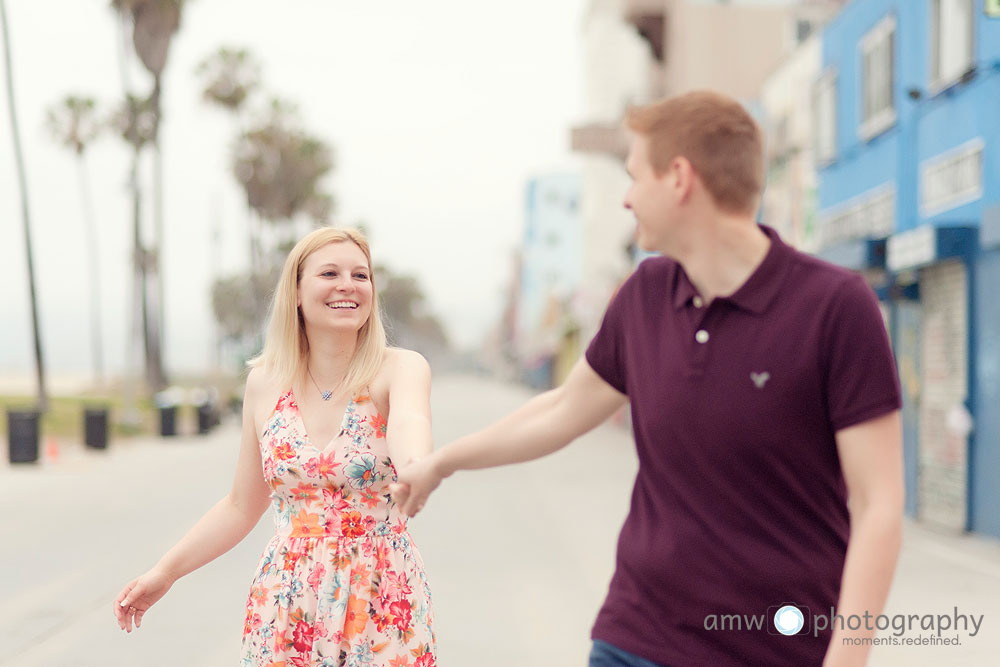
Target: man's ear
{"points": [[684, 177]]}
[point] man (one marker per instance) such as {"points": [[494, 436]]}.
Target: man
{"points": [[763, 396]]}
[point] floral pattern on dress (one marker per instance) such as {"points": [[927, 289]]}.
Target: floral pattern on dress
{"points": [[341, 583]]}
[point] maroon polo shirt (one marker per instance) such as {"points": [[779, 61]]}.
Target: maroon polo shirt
{"points": [[739, 504]]}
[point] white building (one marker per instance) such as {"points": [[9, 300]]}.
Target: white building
{"points": [[786, 102]]}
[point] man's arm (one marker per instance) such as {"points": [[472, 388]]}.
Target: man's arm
{"points": [[541, 426], [872, 461]]}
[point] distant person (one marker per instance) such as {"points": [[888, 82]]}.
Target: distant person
{"points": [[329, 409], [764, 397]]}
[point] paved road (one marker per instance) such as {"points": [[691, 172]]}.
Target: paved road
{"points": [[519, 558]]}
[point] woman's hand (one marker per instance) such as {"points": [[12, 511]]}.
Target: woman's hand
{"points": [[139, 595]]}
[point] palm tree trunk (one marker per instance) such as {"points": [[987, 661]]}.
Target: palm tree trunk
{"points": [[156, 273], [93, 249], [42, 400]]}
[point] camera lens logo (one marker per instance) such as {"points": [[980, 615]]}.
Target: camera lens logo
{"points": [[789, 620]]}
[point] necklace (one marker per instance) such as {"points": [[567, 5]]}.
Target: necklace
{"points": [[325, 394]]}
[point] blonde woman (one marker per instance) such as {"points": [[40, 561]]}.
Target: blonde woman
{"points": [[330, 412]]}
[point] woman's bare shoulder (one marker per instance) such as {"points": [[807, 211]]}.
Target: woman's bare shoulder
{"points": [[261, 395], [398, 358]]}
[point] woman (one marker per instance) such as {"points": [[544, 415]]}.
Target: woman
{"points": [[329, 413]]}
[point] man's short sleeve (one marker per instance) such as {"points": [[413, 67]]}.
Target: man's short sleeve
{"points": [[605, 354], [861, 379]]}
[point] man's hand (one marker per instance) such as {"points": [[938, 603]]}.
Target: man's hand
{"points": [[414, 484]]}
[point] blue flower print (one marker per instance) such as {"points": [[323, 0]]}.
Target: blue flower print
{"points": [[361, 471]]}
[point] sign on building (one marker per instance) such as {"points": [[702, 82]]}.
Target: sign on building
{"points": [[952, 178], [911, 249], [869, 215]]}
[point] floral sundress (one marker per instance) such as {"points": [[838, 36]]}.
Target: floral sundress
{"points": [[341, 583]]}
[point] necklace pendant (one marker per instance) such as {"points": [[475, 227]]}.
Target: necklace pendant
{"points": [[327, 395]]}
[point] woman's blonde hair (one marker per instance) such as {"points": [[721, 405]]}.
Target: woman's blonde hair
{"points": [[286, 348]]}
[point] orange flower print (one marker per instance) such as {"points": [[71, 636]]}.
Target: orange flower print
{"points": [[379, 423], [291, 558], [370, 498], [323, 465], [303, 491], [401, 661], [382, 621], [357, 617], [283, 451], [248, 624], [350, 525], [359, 576], [381, 557], [258, 594], [306, 524]]}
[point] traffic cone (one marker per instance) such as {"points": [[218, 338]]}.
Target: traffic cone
{"points": [[52, 449]]}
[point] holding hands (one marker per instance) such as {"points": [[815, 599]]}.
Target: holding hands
{"points": [[415, 482]]}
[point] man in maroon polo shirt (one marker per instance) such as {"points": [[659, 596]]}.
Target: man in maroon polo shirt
{"points": [[763, 396]]}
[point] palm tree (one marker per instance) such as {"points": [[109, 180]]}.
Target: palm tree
{"points": [[154, 23], [280, 167], [231, 77], [73, 123], [42, 400]]}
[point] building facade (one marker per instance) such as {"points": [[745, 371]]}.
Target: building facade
{"points": [[551, 263], [789, 202], [907, 144]]}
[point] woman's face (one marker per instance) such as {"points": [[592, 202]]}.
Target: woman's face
{"points": [[335, 290]]}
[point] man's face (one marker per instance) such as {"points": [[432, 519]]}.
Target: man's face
{"points": [[650, 197]]}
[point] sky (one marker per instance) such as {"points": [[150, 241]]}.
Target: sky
{"points": [[438, 112]]}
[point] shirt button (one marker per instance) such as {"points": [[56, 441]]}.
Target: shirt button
{"points": [[698, 303], [701, 336]]}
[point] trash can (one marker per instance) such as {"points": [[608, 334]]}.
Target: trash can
{"points": [[168, 420], [22, 435], [95, 427], [167, 401], [205, 418]]}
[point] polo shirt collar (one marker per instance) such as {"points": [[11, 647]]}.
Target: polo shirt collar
{"points": [[759, 290]]}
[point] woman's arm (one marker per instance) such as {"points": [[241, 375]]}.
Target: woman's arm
{"points": [[218, 531], [408, 432]]}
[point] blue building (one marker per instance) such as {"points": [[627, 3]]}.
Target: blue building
{"points": [[908, 150], [551, 267]]}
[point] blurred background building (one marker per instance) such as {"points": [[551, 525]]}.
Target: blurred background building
{"points": [[545, 331]]}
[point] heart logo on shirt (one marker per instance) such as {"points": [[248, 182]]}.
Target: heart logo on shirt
{"points": [[760, 379]]}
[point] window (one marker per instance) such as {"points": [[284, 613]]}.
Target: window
{"points": [[878, 111], [952, 28], [825, 118]]}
